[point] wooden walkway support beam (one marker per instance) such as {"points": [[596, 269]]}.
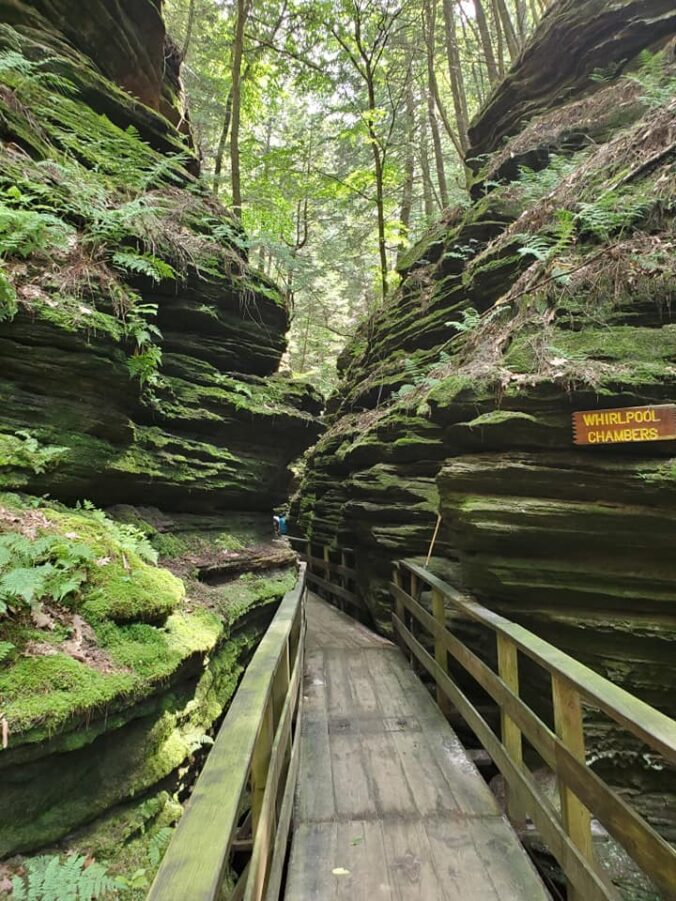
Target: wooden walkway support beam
{"points": [[256, 746], [583, 793]]}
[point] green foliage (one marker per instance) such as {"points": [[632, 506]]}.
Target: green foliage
{"points": [[22, 450], [612, 212], [533, 184], [73, 878], [25, 232], [8, 299], [6, 648], [144, 264], [470, 321], [158, 844], [655, 78], [32, 570], [130, 538], [55, 566]]}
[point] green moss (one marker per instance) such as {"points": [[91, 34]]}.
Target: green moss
{"points": [[499, 417], [660, 474], [139, 593], [250, 590]]}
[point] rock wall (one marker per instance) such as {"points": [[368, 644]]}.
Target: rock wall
{"points": [[139, 357], [133, 333], [552, 292]]}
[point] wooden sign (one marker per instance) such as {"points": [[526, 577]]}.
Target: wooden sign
{"points": [[625, 424]]}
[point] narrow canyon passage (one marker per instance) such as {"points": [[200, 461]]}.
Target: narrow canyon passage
{"points": [[363, 305]]}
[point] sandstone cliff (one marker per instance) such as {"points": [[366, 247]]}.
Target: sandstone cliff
{"points": [[138, 368], [552, 292]]}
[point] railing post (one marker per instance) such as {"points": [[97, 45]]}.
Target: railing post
{"points": [[260, 764], [569, 727], [508, 670], [398, 604], [440, 653], [414, 586]]}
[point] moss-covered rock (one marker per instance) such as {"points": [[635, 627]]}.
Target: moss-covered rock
{"points": [[552, 292], [139, 357], [120, 273]]}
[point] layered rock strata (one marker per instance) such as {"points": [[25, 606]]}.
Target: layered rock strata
{"points": [[552, 292], [139, 357]]}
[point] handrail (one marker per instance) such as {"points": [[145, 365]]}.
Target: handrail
{"points": [[582, 791], [256, 750], [339, 591]]}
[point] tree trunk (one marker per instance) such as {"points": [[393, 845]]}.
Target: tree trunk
{"points": [[499, 39], [222, 143], [454, 70], [378, 169], [521, 20], [189, 29], [508, 28], [486, 43], [409, 171], [429, 21], [428, 197], [243, 8]]}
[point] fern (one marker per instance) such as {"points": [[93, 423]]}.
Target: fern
{"points": [[49, 878], [23, 451], [534, 185], [6, 648], [470, 320], [614, 211], [158, 844], [128, 537], [23, 232], [657, 83], [144, 264], [55, 567]]}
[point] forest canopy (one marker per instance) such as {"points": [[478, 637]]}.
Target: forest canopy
{"points": [[336, 131]]}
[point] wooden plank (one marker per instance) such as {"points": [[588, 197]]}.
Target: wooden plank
{"points": [[196, 860], [362, 689], [329, 627], [573, 863], [340, 569], [485, 859], [339, 688], [440, 654], [652, 853], [360, 850], [470, 791], [508, 668], [315, 799], [430, 781], [394, 763], [351, 778], [386, 775], [313, 855], [654, 728], [568, 723], [264, 818], [260, 762], [413, 872], [454, 849], [396, 687], [335, 590], [276, 871]]}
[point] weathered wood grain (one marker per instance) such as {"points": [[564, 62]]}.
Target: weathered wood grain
{"points": [[388, 805]]}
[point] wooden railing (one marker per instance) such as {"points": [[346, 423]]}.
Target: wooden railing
{"points": [[243, 798], [335, 577], [582, 792]]}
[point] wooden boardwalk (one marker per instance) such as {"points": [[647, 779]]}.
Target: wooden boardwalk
{"points": [[388, 805]]}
